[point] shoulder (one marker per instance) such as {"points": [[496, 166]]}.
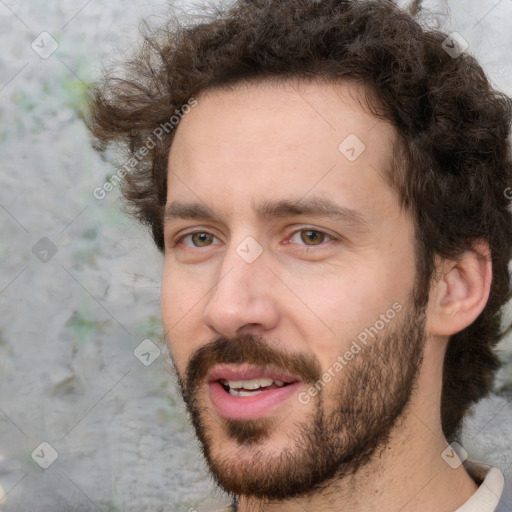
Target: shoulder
{"points": [[505, 503], [494, 492]]}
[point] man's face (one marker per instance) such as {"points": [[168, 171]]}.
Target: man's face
{"points": [[293, 334]]}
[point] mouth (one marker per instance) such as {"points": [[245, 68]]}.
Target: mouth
{"points": [[246, 392], [251, 387]]}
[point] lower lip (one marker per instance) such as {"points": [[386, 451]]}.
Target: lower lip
{"points": [[249, 407]]}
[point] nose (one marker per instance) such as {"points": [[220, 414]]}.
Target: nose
{"points": [[243, 299]]}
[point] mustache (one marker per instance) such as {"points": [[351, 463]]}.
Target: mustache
{"points": [[253, 350]]}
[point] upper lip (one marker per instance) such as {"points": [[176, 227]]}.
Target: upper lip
{"points": [[247, 372]]}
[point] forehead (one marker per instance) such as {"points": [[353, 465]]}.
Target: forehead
{"points": [[268, 138]]}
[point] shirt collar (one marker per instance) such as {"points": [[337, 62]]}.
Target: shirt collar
{"points": [[488, 494]]}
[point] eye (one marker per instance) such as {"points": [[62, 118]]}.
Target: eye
{"points": [[314, 236], [308, 239], [197, 238]]}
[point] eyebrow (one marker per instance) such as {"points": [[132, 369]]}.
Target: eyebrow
{"points": [[312, 207]]}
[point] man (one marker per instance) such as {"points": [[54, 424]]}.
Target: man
{"points": [[327, 184]]}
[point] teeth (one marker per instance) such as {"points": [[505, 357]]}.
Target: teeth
{"points": [[234, 384], [239, 392], [251, 384]]}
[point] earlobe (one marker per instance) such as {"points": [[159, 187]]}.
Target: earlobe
{"points": [[462, 291]]}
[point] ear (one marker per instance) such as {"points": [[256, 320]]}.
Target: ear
{"points": [[461, 292]]}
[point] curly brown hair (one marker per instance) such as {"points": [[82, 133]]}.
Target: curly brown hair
{"points": [[452, 156]]}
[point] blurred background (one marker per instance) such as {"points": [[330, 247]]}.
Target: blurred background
{"points": [[90, 419]]}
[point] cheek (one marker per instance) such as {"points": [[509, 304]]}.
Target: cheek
{"points": [[179, 307], [184, 294], [336, 307], [178, 295], [170, 307], [327, 311]]}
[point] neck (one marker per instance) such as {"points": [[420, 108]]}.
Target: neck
{"points": [[407, 474]]}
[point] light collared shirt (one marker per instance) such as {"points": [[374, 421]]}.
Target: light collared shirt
{"points": [[489, 497]]}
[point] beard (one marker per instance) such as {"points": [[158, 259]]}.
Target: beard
{"points": [[352, 416]]}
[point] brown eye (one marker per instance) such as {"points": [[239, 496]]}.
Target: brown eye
{"points": [[311, 242], [201, 239], [196, 239], [313, 236]]}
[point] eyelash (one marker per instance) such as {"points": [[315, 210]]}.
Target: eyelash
{"points": [[301, 247]]}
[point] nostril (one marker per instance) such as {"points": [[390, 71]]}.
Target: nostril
{"points": [[247, 329]]}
